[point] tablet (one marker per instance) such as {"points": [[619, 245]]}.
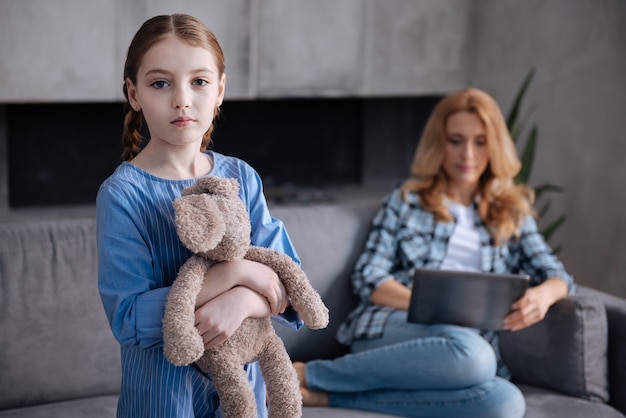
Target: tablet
{"points": [[470, 299]]}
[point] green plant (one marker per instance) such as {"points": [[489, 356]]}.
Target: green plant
{"points": [[527, 157]]}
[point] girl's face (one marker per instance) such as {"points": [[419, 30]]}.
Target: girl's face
{"points": [[466, 155], [178, 89]]}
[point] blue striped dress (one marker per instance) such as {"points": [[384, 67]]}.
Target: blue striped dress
{"points": [[139, 256]]}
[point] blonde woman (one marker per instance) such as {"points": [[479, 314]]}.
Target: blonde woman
{"points": [[459, 209]]}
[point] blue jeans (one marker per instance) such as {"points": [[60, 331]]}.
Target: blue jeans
{"points": [[418, 370]]}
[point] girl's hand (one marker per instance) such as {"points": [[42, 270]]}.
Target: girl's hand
{"points": [[219, 318], [264, 281], [533, 306], [256, 276]]}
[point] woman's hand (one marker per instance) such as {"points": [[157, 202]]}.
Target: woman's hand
{"points": [[218, 319], [533, 306], [255, 276], [392, 293]]}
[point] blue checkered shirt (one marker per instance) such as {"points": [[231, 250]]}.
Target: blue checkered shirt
{"points": [[404, 236]]}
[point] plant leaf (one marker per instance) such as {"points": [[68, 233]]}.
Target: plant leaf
{"points": [[546, 188], [528, 156], [543, 210], [512, 121], [552, 227]]}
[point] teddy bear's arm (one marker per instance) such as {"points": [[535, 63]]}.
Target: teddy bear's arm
{"points": [[304, 299]]}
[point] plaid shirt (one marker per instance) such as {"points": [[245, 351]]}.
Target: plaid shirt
{"points": [[404, 236]]}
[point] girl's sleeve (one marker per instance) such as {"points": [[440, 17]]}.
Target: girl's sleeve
{"points": [[267, 231], [132, 299]]}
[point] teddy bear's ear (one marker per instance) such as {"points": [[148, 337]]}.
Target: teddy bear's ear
{"points": [[199, 222], [202, 185], [231, 188], [226, 187]]}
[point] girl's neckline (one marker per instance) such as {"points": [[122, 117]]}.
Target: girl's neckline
{"points": [[209, 155]]}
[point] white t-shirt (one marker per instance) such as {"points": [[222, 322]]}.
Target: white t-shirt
{"points": [[463, 251]]}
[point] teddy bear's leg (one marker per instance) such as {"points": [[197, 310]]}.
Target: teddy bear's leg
{"points": [[283, 388], [231, 382]]}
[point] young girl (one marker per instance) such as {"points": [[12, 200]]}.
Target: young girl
{"points": [[174, 80], [460, 209]]}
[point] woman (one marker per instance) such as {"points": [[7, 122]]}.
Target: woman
{"points": [[460, 209]]}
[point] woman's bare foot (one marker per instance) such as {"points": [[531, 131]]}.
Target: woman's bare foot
{"points": [[301, 372], [313, 398], [309, 397]]}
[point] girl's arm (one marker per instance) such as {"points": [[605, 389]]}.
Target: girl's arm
{"points": [[258, 277], [132, 295], [267, 232], [219, 318]]}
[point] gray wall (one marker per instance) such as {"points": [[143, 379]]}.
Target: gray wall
{"points": [[71, 50], [577, 100]]}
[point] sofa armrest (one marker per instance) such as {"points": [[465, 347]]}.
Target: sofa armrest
{"points": [[566, 352], [616, 319]]}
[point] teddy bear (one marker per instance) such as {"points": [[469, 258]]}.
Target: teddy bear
{"points": [[213, 223]]}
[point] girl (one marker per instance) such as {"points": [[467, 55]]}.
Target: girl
{"points": [[460, 209], [174, 79]]}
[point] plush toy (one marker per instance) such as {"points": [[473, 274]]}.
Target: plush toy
{"points": [[212, 222]]}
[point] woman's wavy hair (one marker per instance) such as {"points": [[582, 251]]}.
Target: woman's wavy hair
{"points": [[185, 27], [502, 204]]}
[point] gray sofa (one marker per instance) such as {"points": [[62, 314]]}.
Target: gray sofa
{"points": [[58, 357]]}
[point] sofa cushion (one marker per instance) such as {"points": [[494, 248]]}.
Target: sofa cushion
{"points": [[616, 319], [56, 341], [566, 352], [95, 407], [545, 403], [328, 239]]}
